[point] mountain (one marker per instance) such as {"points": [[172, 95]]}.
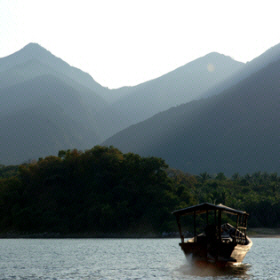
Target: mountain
{"points": [[33, 61], [76, 112], [182, 85], [34, 51], [106, 119], [38, 132], [33, 80], [269, 56], [203, 77], [235, 131], [45, 113], [43, 90]]}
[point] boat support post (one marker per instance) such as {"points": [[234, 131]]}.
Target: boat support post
{"points": [[220, 224], [180, 228], [194, 223]]}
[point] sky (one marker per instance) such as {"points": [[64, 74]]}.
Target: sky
{"points": [[124, 43]]}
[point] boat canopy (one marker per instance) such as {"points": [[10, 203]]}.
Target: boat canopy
{"points": [[205, 207]]}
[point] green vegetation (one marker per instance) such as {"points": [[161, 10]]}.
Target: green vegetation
{"points": [[103, 191]]}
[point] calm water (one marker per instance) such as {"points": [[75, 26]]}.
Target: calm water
{"points": [[125, 259]]}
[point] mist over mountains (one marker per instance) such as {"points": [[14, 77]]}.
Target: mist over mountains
{"points": [[213, 114], [55, 101], [233, 131], [33, 52], [182, 85]]}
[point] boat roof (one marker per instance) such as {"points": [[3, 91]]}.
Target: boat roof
{"points": [[203, 207]]}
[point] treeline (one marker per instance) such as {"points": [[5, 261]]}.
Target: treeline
{"points": [[103, 191]]}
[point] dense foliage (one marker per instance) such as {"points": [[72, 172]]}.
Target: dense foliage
{"points": [[103, 191]]}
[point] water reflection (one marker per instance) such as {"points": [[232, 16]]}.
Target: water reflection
{"points": [[203, 269]]}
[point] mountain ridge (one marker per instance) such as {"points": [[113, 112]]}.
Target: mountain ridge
{"points": [[39, 76], [34, 50], [179, 86], [230, 132]]}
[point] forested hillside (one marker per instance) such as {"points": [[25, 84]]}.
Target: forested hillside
{"points": [[103, 192]]}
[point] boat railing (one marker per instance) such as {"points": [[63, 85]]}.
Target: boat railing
{"points": [[241, 227]]}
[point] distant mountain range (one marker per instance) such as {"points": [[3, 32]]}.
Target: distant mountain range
{"points": [[236, 130], [46, 105], [213, 114], [182, 85], [49, 62]]}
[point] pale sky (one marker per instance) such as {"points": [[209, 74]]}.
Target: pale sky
{"points": [[122, 43]]}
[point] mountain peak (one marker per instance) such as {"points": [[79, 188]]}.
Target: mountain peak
{"points": [[216, 55], [33, 50], [33, 45], [28, 52]]}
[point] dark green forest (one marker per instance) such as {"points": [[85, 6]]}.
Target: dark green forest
{"points": [[103, 191]]}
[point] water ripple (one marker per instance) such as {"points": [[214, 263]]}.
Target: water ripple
{"points": [[125, 259]]}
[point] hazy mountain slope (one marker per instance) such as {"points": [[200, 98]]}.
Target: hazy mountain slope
{"points": [[139, 103], [45, 105], [236, 131], [40, 131], [23, 72], [35, 51], [41, 91], [114, 95], [34, 67], [182, 85], [249, 68], [26, 65]]}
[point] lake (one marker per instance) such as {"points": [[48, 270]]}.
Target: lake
{"points": [[125, 259]]}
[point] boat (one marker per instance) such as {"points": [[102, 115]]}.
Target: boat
{"points": [[216, 243]]}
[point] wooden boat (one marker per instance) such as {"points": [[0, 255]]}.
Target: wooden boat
{"points": [[218, 243]]}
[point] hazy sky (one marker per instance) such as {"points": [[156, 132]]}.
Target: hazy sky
{"points": [[128, 42]]}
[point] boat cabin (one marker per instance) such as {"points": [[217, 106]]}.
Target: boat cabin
{"points": [[216, 240]]}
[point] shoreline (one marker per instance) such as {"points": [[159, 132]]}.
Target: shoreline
{"points": [[46, 235], [252, 233], [264, 236], [264, 232]]}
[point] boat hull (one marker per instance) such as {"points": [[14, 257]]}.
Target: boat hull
{"points": [[220, 252]]}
